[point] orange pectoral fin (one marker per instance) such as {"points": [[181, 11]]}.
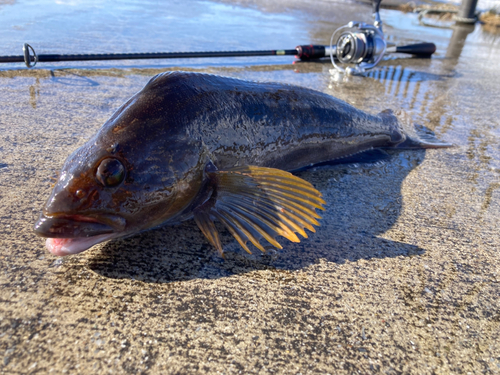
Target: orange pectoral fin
{"points": [[257, 202]]}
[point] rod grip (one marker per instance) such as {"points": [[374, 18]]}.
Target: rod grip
{"points": [[310, 52], [419, 49]]}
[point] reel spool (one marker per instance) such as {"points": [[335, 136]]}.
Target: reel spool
{"points": [[357, 46]]}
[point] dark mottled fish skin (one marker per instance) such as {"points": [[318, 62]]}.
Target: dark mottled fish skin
{"points": [[181, 125], [266, 124]]}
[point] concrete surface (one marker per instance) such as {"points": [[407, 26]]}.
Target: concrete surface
{"points": [[401, 277]]}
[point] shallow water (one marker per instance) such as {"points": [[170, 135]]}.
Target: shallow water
{"points": [[402, 276], [68, 27]]}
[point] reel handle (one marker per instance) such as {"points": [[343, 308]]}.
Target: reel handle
{"points": [[376, 15], [419, 49], [376, 5]]}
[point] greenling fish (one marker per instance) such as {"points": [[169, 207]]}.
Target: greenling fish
{"points": [[201, 146]]}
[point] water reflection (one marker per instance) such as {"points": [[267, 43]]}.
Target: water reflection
{"points": [[457, 41], [73, 79], [406, 83], [34, 93]]}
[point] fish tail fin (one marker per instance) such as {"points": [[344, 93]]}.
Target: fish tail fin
{"points": [[412, 138]]}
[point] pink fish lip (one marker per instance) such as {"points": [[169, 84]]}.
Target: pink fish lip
{"points": [[72, 234], [78, 226], [70, 246]]}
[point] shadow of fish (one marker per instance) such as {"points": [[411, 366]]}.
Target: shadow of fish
{"points": [[201, 146]]}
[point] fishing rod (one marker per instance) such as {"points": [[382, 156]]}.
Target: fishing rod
{"points": [[304, 52]]}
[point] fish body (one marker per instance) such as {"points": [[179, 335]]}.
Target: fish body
{"points": [[213, 148]]}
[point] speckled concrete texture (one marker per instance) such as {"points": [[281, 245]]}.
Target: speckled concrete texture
{"points": [[402, 277]]}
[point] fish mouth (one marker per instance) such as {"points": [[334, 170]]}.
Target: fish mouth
{"points": [[72, 234]]}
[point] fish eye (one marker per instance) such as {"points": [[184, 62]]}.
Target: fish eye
{"points": [[110, 172], [80, 193]]}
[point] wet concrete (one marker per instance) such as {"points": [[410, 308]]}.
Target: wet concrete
{"points": [[401, 277]]}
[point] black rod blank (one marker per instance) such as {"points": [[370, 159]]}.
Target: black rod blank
{"points": [[31, 60]]}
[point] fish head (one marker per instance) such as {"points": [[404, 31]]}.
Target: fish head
{"points": [[101, 195], [136, 173]]}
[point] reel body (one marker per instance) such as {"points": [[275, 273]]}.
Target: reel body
{"points": [[357, 47]]}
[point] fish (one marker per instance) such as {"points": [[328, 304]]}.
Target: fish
{"points": [[211, 148]]}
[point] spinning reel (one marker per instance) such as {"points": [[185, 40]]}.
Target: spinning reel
{"points": [[357, 43], [357, 46]]}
